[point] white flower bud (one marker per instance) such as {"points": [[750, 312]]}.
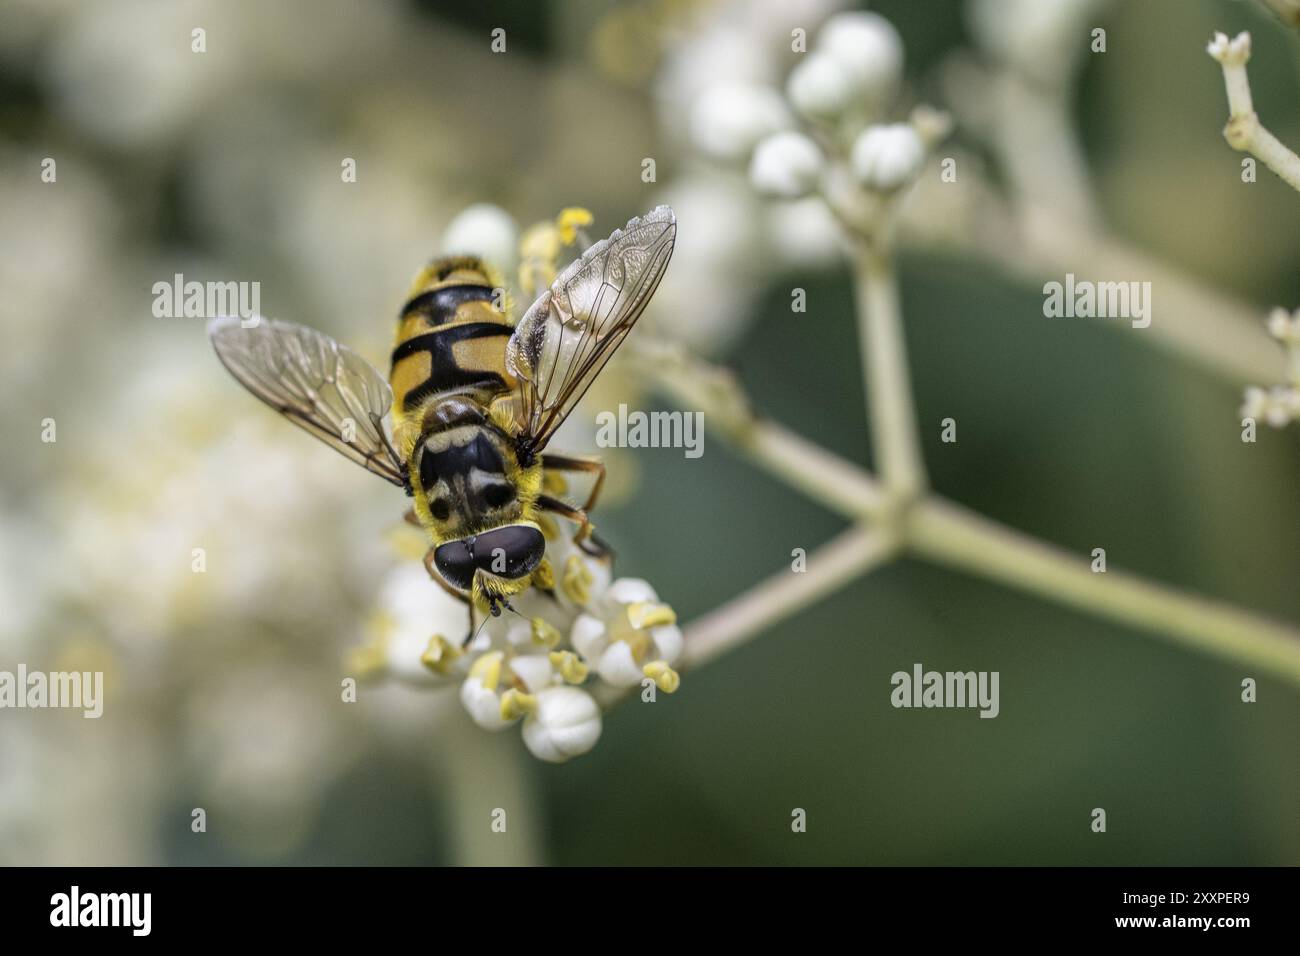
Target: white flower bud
{"points": [[1256, 400], [787, 165], [565, 724], [886, 157], [728, 120], [483, 230], [820, 87], [618, 666], [588, 637], [484, 705], [867, 47], [631, 591], [668, 641], [534, 670]]}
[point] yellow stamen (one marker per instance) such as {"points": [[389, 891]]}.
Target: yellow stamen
{"points": [[577, 580], [570, 666], [440, 656], [539, 252], [570, 220], [515, 703], [667, 679], [488, 669], [545, 633], [644, 614], [365, 661]]}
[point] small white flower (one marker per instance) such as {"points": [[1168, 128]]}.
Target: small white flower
{"points": [[418, 628], [1234, 52], [886, 157], [804, 232], [484, 230], [1278, 406], [632, 637], [787, 165], [481, 692], [727, 121], [1284, 327], [565, 723], [867, 47], [534, 670], [820, 87]]}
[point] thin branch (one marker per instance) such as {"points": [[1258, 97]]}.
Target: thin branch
{"points": [[888, 384], [830, 567], [1244, 131], [949, 534]]}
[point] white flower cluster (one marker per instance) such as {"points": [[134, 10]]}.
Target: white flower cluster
{"points": [[577, 627], [838, 93], [1280, 404]]}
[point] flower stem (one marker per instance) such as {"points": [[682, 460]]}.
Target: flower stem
{"points": [[1244, 131], [945, 533], [830, 567], [478, 777], [951, 535], [884, 362]]}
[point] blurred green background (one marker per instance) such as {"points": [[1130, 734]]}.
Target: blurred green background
{"points": [[223, 688]]}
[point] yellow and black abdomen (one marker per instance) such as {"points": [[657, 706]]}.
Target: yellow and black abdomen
{"points": [[451, 339]]}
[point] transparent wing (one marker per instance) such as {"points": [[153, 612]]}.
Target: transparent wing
{"points": [[567, 335], [317, 384]]}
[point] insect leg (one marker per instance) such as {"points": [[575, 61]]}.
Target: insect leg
{"points": [[585, 537], [572, 464]]}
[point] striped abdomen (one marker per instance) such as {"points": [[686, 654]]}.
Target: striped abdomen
{"points": [[451, 339]]}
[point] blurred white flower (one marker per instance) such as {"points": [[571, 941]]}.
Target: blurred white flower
{"points": [[733, 42], [565, 723], [886, 157], [727, 121], [484, 230], [1284, 327], [419, 629], [804, 232], [868, 49], [1278, 406], [719, 263], [787, 165], [820, 87]]}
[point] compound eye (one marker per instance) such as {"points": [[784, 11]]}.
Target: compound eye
{"points": [[510, 552], [455, 563]]}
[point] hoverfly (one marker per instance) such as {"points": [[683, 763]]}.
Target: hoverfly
{"points": [[463, 422]]}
